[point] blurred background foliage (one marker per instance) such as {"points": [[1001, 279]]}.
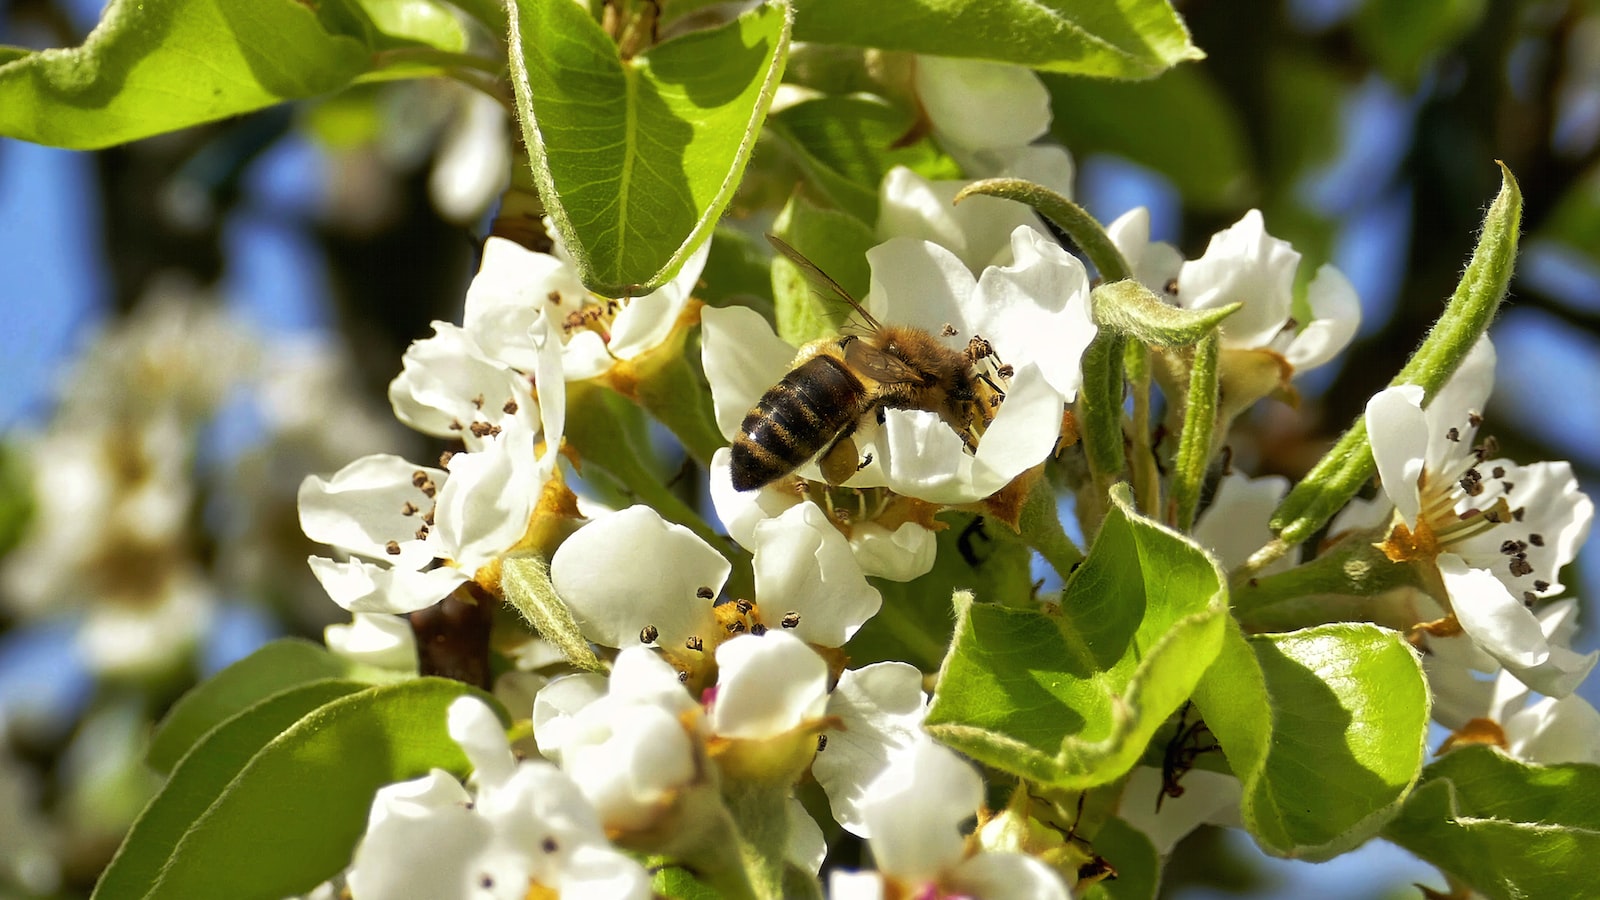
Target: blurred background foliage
{"points": [[1364, 129]]}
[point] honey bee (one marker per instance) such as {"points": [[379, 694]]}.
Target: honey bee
{"points": [[835, 382]]}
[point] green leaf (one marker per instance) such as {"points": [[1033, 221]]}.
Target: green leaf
{"points": [[1344, 469], [1194, 444], [273, 801], [1136, 311], [845, 145], [636, 158], [1130, 852], [278, 666], [427, 23], [154, 66], [201, 778], [1325, 728], [1210, 165], [1071, 697], [1106, 38], [527, 587], [1507, 828], [837, 243]]}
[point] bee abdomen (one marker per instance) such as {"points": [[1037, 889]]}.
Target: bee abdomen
{"points": [[799, 416]]}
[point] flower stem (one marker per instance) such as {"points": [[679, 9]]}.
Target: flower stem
{"points": [[1199, 422]]}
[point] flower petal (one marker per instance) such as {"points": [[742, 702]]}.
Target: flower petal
{"points": [[767, 685], [646, 321], [1399, 436], [474, 726], [666, 568], [914, 810], [1243, 263], [742, 358], [1336, 315], [486, 503], [880, 709], [804, 565], [362, 509], [1036, 310], [362, 587]]}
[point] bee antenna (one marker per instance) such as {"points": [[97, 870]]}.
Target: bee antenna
{"points": [[816, 276]]}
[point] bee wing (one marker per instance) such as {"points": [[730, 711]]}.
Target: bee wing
{"points": [[820, 278], [868, 360]]}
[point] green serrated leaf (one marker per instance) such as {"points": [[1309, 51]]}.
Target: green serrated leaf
{"points": [[636, 158], [837, 243], [154, 66], [1210, 166], [1507, 828], [1325, 728], [278, 666], [273, 801], [1071, 698], [527, 587], [1105, 38]]}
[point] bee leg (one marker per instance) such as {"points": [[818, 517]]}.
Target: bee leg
{"points": [[865, 461], [840, 460]]}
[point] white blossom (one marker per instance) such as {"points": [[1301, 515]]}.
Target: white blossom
{"points": [[527, 827], [1497, 533]]}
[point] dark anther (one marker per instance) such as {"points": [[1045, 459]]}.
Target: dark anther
{"points": [[648, 634], [791, 619], [705, 593]]}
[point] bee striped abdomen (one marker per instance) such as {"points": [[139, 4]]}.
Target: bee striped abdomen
{"points": [[799, 416]]}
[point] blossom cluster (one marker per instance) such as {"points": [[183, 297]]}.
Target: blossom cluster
{"points": [[720, 676]]}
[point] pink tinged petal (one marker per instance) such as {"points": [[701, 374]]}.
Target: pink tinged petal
{"points": [[1036, 310], [1208, 798], [974, 233], [915, 808], [767, 685], [742, 358], [807, 847], [1335, 317], [1235, 524], [1243, 264], [483, 739], [907, 552], [361, 509], [804, 565], [742, 511], [375, 639], [1554, 731], [447, 383], [922, 285], [556, 707], [880, 709], [1399, 437], [646, 321], [366, 588], [631, 569], [1454, 404], [976, 104], [485, 506], [602, 873], [1007, 876], [421, 840]]}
